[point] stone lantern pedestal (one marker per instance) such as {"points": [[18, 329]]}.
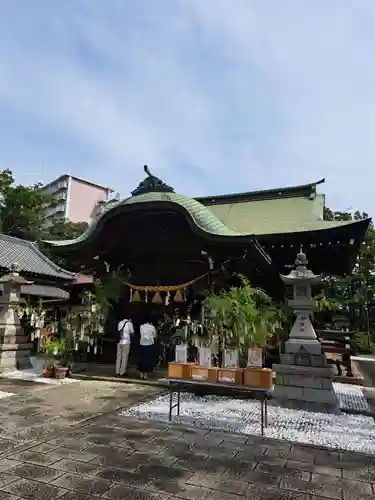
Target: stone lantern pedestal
{"points": [[14, 345], [303, 373]]}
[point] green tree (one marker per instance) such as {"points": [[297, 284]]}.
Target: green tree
{"points": [[64, 230], [22, 216], [353, 296], [21, 208]]}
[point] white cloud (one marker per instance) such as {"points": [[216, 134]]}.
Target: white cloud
{"points": [[214, 95]]}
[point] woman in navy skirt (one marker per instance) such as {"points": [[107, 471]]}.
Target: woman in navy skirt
{"points": [[146, 349]]}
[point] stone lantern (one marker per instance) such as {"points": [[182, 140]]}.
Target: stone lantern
{"points": [[14, 345], [303, 373]]}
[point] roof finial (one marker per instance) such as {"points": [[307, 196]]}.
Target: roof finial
{"points": [[151, 184]]}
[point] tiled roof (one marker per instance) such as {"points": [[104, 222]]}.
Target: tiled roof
{"points": [[50, 292], [29, 258]]}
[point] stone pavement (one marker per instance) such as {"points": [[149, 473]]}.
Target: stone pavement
{"points": [[76, 447]]}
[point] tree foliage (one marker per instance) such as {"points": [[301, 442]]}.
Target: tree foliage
{"points": [[353, 296], [242, 315], [22, 213], [21, 208]]}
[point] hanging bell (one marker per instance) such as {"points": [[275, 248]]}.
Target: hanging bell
{"points": [[136, 297], [157, 298], [178, 298]]}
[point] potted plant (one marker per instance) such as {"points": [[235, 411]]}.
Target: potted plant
{"points": [[60, 350]]}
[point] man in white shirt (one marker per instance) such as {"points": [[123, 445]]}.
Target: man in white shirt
{"points": [[126, 329]]}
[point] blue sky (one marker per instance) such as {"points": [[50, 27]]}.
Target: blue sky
{"points": [[215, 96]]}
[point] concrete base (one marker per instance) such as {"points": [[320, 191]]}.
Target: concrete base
{"points": [[310, 384]]}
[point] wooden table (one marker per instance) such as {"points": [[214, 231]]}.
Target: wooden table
{"points": [[180, 385]]}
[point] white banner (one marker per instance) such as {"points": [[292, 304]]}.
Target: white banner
{"points": [[205, 356], [255, 357], [181, 353], [231, 358]]}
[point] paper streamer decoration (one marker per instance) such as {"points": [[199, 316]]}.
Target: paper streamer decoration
{"points": [[178, 298], [157, 299]]}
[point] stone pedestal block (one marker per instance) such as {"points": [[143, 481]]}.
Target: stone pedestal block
{"points": [[310, 384]]}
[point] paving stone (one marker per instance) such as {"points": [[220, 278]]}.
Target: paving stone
{"points": [[81, 456], [25, 488], [312, 488], [179, 489], [262, 492], [34, 457], [42, 448], [221, 495], [8, 496], [363, 474], [116, 458], [112, 474], [192, 463], [71, 443], [124, 493], [131, 479], [90, 486], [203, 479], [75, 467], [148, 447], [282, 471], [7, 463], [37, 472], [6, 445], [350, 488], [230, 486], [234, 469], [6, 478], [160, 460], [109, 440], [256, 476], [73, 495], [157, 471]]}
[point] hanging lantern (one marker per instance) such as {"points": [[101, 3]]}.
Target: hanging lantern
{"points": [[157, 298], [178, 298], [136, 297]]}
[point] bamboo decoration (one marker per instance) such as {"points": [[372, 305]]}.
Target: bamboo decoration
{"points": [[157, 299]]}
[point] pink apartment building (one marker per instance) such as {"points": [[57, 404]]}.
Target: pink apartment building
{"points": [[74, 199]]}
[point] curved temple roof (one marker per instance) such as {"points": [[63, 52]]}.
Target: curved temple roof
{"points": [[257, 214], [201, 216]]}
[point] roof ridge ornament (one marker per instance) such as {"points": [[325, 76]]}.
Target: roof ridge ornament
{"points": [[151, 184]]}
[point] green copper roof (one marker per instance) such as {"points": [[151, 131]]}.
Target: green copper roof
{"points": [[201, 215], [273, 216]]}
